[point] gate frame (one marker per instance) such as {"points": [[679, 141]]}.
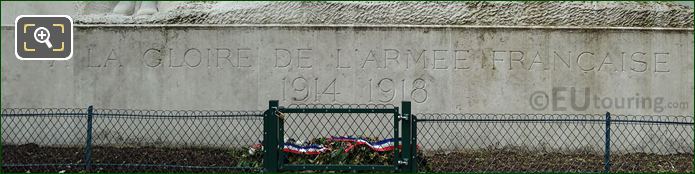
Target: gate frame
{"points": [[274, 129]]}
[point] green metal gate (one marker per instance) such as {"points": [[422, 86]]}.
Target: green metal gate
{"points": [[402, 130]]}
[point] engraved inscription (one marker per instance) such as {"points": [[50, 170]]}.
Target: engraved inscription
{"points": [[345, 73]]}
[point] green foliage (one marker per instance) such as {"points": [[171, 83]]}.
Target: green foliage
{"points": [[247, 156]]}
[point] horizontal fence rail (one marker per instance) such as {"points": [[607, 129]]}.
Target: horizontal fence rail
{"points": [[116, 140]]}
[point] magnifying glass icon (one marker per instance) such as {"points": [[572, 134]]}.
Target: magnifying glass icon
{"points": [[41, 35]]}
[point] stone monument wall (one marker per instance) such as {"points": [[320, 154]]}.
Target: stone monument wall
{"points": [[439, 69], [626, 58]]}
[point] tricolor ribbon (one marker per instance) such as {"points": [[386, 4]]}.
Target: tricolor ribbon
{"points": [[307, 150], [379, 146]]}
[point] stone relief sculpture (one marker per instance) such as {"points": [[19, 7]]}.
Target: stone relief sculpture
{"points": [[130, 7]]}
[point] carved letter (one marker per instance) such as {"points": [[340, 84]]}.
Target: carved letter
{"points": [[606, 61], [287, 54], [218, 57], [171, 58], [495, 59], [419, 58], [242, 54], [657, 62], [566, 62], [435, 59], [338, 61], [394, 58], [112, 56], [579, 59], [463, 59], [367, 59], [89, 59], [520, 60], [537, 57], [643, 63], [185, 55], [157, 60], [300, 57]]}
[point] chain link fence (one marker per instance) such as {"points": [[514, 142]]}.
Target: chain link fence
{"points": [[555, 143], [43, 140], [348, 135], [53, 140], [643, 143]]}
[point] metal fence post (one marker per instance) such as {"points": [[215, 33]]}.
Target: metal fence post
{"points": [[607, 151], [398, 161], [408, 136], [88, 147], [414, 142], [281, 135], [270, 138]]}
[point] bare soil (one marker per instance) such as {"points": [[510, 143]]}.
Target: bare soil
{"points": [[523, 161], [70, 159], [108, 159]]}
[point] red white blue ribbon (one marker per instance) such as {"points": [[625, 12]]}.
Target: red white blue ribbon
{"points": [[307, 150], [379, 146]]}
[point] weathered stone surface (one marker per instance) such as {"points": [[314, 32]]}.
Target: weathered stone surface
{"points": [[617, 14], [460, 69]]}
